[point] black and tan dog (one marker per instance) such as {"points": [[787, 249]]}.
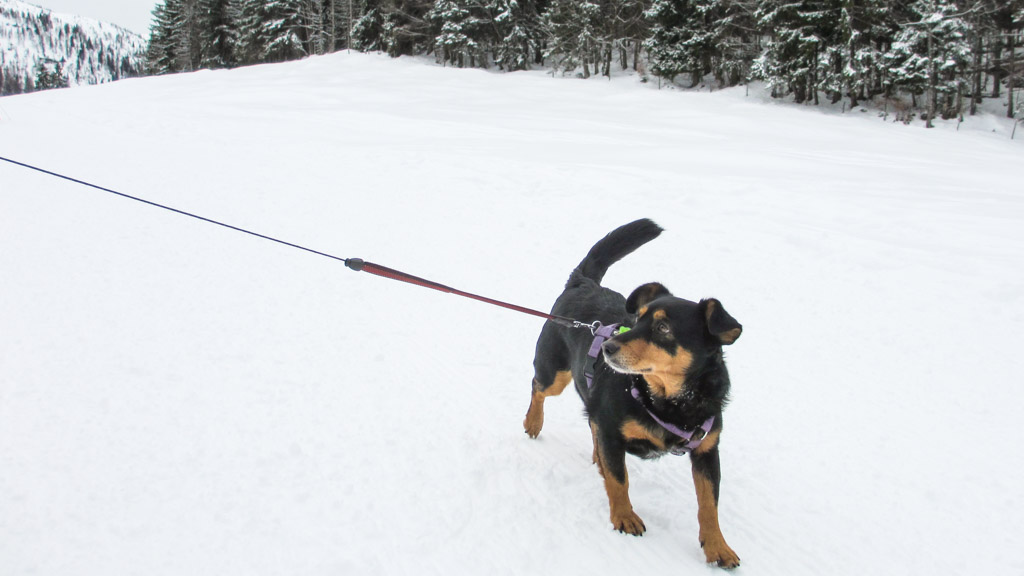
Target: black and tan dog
{"points": [[659, 387]]}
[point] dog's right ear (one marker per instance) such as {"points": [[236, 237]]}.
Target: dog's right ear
{"points": [[644, 295]]}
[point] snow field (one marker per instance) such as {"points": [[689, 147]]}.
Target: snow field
{"points": [[176, 398]]}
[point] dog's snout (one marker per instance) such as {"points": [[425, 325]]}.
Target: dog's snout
{"points": [[610, 347]]}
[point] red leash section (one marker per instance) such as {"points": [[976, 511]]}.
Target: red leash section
{"points": [[360, 265]]}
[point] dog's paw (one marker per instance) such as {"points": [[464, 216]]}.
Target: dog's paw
{"points": [[718, 552], [629, 523], [532, 425], [534, 420]]}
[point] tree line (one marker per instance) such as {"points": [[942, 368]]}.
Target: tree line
{"points": [[944, 56]]}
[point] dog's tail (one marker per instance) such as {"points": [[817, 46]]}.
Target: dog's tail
{"points": [[615, 246]]}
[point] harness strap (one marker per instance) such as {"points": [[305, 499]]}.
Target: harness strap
{"points": [[601, 333], [693, 438]]}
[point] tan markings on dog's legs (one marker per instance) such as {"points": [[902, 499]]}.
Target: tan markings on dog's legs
{"points": [[622, 516], [535, 415], [709, 442], [715, 548], [597, 459]]}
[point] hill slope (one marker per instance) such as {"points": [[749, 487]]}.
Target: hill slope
{"points": [[92, 52], [176, 398]]}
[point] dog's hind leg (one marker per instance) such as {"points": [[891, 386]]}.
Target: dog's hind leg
{"points": [[551, 376], [544, 385]]}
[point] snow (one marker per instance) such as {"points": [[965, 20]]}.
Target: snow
{"points": [[177, 398], [91, 52]]}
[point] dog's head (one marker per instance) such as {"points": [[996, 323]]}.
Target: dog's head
{"points": [[672, 338]]}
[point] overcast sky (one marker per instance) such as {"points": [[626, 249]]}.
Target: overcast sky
{"points": [[134, 15]]}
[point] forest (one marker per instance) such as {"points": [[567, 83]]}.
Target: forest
{"points": [[41, 50], [939, 58]]}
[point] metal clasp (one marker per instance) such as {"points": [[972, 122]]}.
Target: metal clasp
{"points": [[594, 326]]}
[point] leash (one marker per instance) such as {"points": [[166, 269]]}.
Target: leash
{"points": [[360, 265], [356, 264]]}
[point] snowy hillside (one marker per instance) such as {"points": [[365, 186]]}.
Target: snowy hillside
{"points": [[92, 52], [177, 398]]}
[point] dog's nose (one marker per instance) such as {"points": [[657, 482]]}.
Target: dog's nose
{"points": [[610, 348]]}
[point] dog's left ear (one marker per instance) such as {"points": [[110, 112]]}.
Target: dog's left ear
{"points": [[720, 324], [644, 295]]}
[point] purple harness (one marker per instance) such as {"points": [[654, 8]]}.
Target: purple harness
{"points": [[693, 438]]}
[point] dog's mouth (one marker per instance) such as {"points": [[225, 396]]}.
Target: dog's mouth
{"points": [[614, 364]]}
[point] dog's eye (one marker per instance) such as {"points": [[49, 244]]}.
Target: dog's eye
{"points": [[663, 328]]}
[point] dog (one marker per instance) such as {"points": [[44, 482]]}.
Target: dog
{"points": [[658, 387]]}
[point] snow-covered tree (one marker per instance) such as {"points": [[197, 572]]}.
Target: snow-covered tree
{"points": [[671, 48], [799, 33], [849, 61], [219, 32], [283, 32], [700, 37], [407, 30], [272, 30], [343, 16], [161, 56], [453, 42], [1016, 66], [575, 39], [736, 41], [368, 29], [50, 74], [516, 33], [931, 56]]}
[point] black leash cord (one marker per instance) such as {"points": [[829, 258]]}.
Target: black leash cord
{"points": [[352, 263], [182, 212]]}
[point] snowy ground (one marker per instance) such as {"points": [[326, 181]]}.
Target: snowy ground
{"points": [[180, 399]]}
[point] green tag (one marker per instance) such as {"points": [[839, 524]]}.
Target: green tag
{"points": [[622, 330]]}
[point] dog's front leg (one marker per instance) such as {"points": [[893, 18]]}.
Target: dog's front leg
{"points": [[610, 453], [707, 475]]}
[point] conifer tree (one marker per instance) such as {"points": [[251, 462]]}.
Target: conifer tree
{"points": [[516, 33], [574, 35], [452, 41], [801, 32], [736, 40], [161, 55], [406, 28], [271, 31], [219, 24], [283, 31], [187, 33], [1014, 104], [175, 37], [368, 29], [249, 49], [849, 58], [50, 75], [931, 56], [666, 47], [688, 36], [342, 16]]}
